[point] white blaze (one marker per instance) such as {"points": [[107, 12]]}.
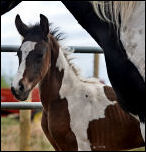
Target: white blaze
{"points": [[86, 101], [25, 48]]}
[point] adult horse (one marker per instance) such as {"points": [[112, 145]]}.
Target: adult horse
{"points": [[119, 28], [78, 113]]}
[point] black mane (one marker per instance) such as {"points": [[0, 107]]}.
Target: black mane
{"points": [[35, 30]]}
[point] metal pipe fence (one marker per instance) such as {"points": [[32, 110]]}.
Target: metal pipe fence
{"points": [[21, 105], [78, 49]]}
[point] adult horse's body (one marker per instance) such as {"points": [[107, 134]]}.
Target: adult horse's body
{"points": [[78, 114], [124, 47]]}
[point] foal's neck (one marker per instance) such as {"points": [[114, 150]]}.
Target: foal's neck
{"points": [[59, 74]]}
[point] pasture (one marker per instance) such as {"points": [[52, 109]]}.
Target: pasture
{"points": [[10, 136]]}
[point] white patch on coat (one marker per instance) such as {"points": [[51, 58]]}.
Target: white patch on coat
{"points": [[26, 47], [142, 127], [86, 101], [133, 38]]}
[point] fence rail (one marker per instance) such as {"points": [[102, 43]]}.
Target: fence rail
{"points": [[21, 105], [78, 49]]}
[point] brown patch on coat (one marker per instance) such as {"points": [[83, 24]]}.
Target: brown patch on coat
{"points": [[117, 131], [110, 94]]}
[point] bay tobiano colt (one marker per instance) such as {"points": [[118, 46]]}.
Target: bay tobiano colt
{"points": [[78, 113]]}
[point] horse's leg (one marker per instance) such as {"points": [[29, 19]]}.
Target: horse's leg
{"points": [[44, 124]]}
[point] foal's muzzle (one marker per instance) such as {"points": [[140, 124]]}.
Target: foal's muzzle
{"points": [[21, 93]]}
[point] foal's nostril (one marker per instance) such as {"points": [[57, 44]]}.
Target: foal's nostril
{"points": [[21, 88]]}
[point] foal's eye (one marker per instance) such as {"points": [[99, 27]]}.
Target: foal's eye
{"points": [[39, 55]]}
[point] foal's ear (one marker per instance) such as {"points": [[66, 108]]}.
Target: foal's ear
{"points": [[44, 25], [21, 27]]}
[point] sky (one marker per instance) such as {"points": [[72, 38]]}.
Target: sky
{"points": [[57, 14]]}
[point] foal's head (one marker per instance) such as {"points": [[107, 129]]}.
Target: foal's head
{"points": [[34, 56]]}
